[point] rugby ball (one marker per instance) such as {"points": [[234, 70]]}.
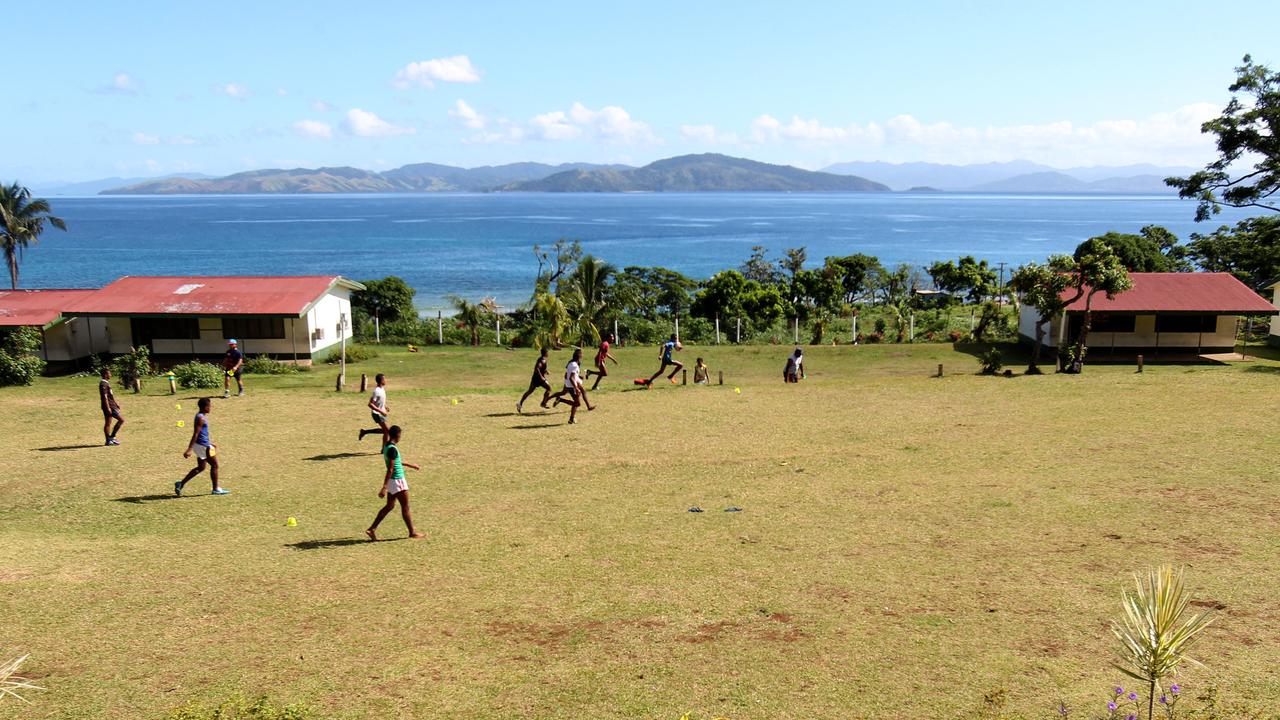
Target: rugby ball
{"points": [[679, 345]]}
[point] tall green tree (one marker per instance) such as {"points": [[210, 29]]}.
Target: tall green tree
{"points": [[556, 262], [650, 291], [855, 273], [1042, 288], [1153, 249], [388, 299], [472, 316], [1250, 250], [758, 268], [1099, 271], [584, 298], [970, 278], [1248, 131], [22, 220]]}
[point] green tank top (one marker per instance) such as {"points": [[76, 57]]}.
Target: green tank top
{"points": [[393, 461]]}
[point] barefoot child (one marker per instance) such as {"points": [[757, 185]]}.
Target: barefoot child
{"points": [[394, 486], [539, 380], [378, 410], [205, 450], [668, 347], [110, 408], [701, 375], [601, 355], [573, 387]]}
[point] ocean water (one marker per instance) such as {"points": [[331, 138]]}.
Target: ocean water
{"points": [[479, 245]]}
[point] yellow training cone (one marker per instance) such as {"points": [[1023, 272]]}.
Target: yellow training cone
{"points": [[178, 405], [455, 401], [738, 390], [181, 423], [291, 522]]}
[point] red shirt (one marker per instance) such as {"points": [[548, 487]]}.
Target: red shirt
{"points": [[604, 350]]}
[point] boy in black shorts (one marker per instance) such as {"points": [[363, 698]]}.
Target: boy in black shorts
{"points": [[539, 380], [110, 408]]}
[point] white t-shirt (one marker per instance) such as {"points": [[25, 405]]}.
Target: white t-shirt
{"points": [[379, 399], [798, 359], [571, 374]]}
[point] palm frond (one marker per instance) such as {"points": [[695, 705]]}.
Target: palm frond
{"points": [[11, 683], [1156, 631]]}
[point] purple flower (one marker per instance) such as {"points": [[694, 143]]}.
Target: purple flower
{"points": [[1131, 716], [1119, 690], [1164, 699], [1111, 706], [1175, 688], [1133, 696]]}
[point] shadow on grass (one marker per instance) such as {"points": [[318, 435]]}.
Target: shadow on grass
{"points": [[60, 448], [339, 456], [336, 543], [1273, 369], [544, 411], [140, 499], [538, 426]]}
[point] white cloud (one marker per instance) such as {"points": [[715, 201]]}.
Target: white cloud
{"points": [[122, 84], [467, 115], [140, 138], [1162, 138], [707, 135], [454, 69], [553, 126], [281, 92], [366, 124], [612, 124], [314, 129], [234, 90], [322, 106]]}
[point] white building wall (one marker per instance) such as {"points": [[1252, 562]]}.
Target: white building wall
{"points": [[1275, 319], [324, 317], [1143, 336], [75, 338], [119, 336]]}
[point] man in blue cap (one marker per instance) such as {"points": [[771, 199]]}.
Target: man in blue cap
{"points": [[233, 364]]}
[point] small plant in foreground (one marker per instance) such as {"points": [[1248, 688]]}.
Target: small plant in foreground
{"points": [[198, 375], [11, 683], [990, 362]]}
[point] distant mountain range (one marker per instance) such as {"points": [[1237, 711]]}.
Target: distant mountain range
{"points": [[93, 187], [699, 173], [1016, 176]]}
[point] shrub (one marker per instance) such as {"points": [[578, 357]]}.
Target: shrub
{"points": [[197, 374], [265, 365], [20, 362], [133, 367], [875, 337], [355, 354], [990, 361], [955, 336], [238, 708]]}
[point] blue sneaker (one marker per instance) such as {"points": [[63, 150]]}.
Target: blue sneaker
{"points": [[220, 491], [177, 489]]}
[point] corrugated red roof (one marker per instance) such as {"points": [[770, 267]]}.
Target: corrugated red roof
{"points": [[206, 295], [1181, 292], [35, 307]]}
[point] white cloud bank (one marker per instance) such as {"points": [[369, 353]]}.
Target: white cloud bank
{"points": [[610, 125], [363, 123], [454, 69], [1163, 138], [234, 90], [314, 129], [467, 115]]}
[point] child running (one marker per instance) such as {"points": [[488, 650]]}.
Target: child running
{"points": [[110, 409], [601, 355], [668, 347], [701, 375], [394, 486], [573, 387], [205, 450], [539, 380], [379, 410]]}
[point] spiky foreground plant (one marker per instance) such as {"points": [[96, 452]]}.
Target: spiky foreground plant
{"points": [[1157, 630], [11, 682]]}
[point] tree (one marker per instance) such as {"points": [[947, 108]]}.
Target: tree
{"points": [[971, 278], [762, 304], [816, 291], [647, 291], [758, 268], [388, 299], [1250, 250], [471, 315], [891, 286], [855, 273], [1097, 272], [1246, 131], [22, 221], [549, 320], [584, 299], [1153, 249], [1041, 287], [721, 295], [20, 361], [556, 262]]}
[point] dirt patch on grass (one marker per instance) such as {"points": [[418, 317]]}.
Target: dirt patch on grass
{"points": [[555, 634]]}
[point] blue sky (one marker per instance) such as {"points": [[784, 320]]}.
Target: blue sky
{"points": [[148, 88]]}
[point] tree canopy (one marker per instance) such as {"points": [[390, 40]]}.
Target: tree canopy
{"points": [[1246, 133], [1153, 249], [389, 299], [970, 278], [1250, 250]]}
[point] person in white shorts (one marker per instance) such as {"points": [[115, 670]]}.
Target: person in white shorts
{"points": [[378, 410], [394, 486], [203, 448], [573, 387]]}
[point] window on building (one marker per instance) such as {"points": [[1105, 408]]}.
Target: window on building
{"points": [[1104, 323], [147, 329], [253, 328], [1186, 323]]}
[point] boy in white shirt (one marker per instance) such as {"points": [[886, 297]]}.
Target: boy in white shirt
{"points": [[573, 387], [378, 410]]}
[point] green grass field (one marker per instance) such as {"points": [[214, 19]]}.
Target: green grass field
{"points": [[906, 544]]}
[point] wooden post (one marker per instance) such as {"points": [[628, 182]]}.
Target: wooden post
{"points": [[338, 385], [1139, 363], [173, 384], [717, 328], [721, 377], [439, 328], [364, 382], [684, 377], [939, 369], [342, 361]]}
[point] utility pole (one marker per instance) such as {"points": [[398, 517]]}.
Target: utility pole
{"points": [[1001, 283]]}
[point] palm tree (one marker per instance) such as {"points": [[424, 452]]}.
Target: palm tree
{"points": [[21, 222], [549, 320], [472, 315], [584, 299]]}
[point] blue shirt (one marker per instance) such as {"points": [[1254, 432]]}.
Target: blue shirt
{"points": [[667, 348], [202, 437]]}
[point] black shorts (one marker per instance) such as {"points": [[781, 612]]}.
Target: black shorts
{"points": [[108, 413], [235, 375], [538, 382]]}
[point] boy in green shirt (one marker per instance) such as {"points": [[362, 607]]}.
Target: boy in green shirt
{"points": [[394, 486]]}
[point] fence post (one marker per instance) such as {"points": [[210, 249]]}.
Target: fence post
{"points": [[677, 328], [337, 386], [738, 337], [497, 329], [717, 328], [912, 336], [1139, 363], [615, 331], [439, 328], [796, 322], [855, 329], [939, 369], [364, 382], [684, 377], [721, 377], [377, 328]]}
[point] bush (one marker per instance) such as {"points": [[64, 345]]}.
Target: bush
{"points": [[265, 365], [875, 337], [20, 361], [955, 336], [133, 367], [198, 375], [990, 362], [355, 354], [238, 708]]}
